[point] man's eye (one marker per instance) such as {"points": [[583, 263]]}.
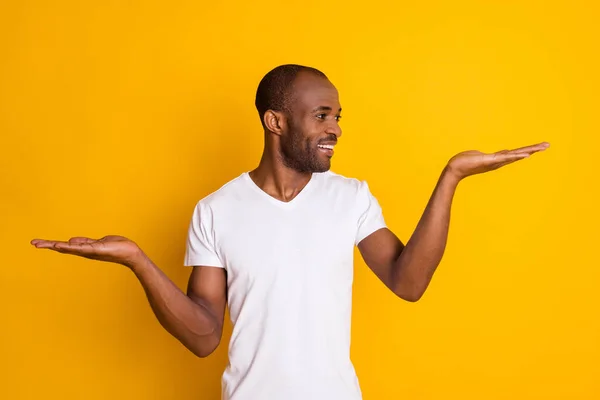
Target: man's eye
{"points": [[337, 118], [321, 116]]}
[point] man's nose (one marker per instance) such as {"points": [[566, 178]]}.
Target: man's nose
{"points": [[334, 128]]}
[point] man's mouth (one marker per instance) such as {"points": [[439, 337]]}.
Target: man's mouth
{"points": [[326, 148]]}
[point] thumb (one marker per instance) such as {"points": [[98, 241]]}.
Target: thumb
{"points": [[80, 239]]}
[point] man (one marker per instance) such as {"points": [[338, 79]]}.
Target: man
{"points": [[276, 245]]}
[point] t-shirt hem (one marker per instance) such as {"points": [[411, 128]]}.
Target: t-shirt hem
{"points": [[195, 262]]}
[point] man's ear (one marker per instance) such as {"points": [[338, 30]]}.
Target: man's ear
{"points": [[275, 121]]}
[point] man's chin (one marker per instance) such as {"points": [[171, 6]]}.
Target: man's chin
{"points": [[323, 167]]}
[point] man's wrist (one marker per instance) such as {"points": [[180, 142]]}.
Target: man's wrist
{"points": [[450, 176], [138, 261]]}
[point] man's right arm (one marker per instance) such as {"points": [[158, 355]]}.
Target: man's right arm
{"points": [[195, 318]]}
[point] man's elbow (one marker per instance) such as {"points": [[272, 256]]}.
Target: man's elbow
{"points": [[412, 297], [410, 293], [202, 353], [202, 350]]}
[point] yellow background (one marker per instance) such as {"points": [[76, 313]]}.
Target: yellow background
{"points": [[117, 117]]}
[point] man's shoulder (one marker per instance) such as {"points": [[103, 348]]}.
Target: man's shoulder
{"points": [[229, 191], [339, 181]]}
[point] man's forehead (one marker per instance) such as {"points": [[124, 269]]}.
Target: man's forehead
{"points": [[311, 90]]}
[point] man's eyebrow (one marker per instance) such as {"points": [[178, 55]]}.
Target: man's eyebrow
{"points": [[324, 108]]}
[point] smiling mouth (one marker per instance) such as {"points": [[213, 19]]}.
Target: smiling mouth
{"points": [[326, 148]]}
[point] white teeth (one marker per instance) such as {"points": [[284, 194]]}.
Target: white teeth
{"points": [[325, 146]]}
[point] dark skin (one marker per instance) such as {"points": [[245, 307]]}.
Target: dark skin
{"points": [[313, 120], [295, 147]]}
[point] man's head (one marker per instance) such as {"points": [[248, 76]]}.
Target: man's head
{"points": [[300, 109]]}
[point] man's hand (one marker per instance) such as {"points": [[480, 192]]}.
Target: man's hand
{"points": [[116, 249], [475, 162]]}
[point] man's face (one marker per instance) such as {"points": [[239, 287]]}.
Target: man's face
{"points": [[313, 130]]}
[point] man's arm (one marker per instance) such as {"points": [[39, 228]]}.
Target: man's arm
{"points": [[195, 319], [407, 269]]}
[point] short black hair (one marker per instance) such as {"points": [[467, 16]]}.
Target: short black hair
{"points": [[273, 91]]}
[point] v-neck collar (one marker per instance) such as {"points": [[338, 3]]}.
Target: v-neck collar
{"points": [[280, 203]]}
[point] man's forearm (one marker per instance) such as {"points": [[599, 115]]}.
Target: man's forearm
{"points": [[193, 325], [423, 252]]}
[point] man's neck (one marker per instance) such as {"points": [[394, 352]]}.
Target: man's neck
{"points": [[279, 181]]}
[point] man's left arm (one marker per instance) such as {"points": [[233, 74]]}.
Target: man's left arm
{"points": [[407, 269]]}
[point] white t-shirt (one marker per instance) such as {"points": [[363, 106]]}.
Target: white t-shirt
{"points": [[289, 276]]}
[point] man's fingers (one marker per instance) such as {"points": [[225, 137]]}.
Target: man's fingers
{"points": [[508, 157], [78, 247], [74, 248], [532, 148], [504, 157], [44, 244]]}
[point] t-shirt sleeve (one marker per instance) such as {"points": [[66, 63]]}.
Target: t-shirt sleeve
{"points": [[200, 245], [370, 213]]}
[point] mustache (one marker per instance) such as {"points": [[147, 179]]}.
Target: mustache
{"points": [[329, 139]]}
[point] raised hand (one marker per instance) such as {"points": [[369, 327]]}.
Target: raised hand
{"points": [[475, 162], [116, 249]]}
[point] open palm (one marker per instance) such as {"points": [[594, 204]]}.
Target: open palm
{"points": [[116, 249], [474, 162]]}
